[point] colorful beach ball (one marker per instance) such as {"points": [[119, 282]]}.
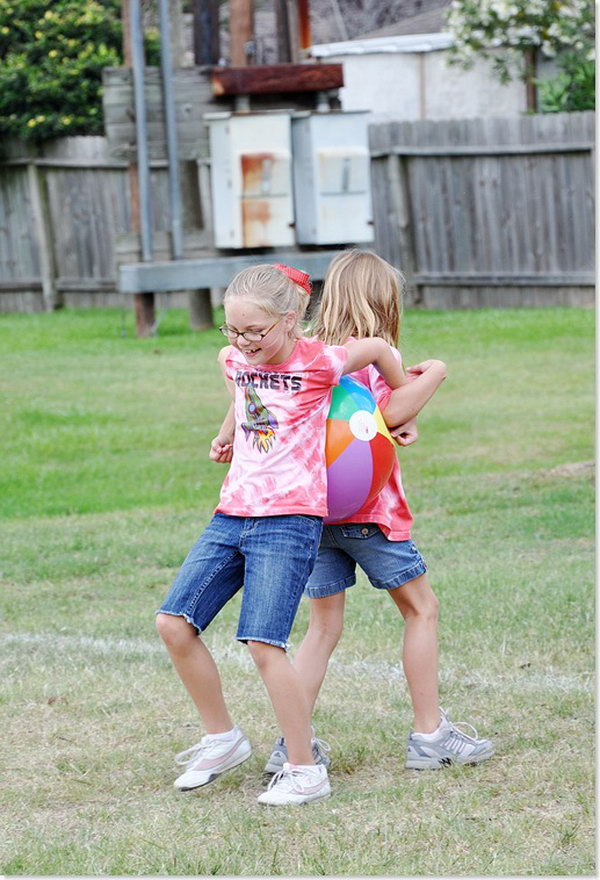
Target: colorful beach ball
{"points": [[359, 450]]}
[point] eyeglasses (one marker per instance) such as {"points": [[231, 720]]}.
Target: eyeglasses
{"points": [[248, 335]]}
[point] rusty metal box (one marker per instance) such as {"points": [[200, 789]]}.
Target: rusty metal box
{"points": [[251, 179], [331, 171]]}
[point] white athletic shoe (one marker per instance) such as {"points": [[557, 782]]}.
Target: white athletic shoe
{"points": [[451, 746], [209, 758], [297, 786]]}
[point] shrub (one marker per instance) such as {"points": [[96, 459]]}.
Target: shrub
{"points": [[574, 88], [51, 60]]}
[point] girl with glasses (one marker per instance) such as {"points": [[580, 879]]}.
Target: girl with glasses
{"points": [[266, 529]]}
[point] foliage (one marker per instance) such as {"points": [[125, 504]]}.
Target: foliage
{"points": [[51, 60], [573, 89], [488, 28]]}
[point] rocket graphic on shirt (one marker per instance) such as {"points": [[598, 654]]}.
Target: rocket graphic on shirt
{"points": [[260, 422]]}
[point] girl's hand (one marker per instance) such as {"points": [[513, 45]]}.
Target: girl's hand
{"points": [[405, 434], [431, 364], [221, 450]]}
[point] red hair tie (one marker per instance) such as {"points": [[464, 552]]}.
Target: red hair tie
{"points": [[297, 276]]}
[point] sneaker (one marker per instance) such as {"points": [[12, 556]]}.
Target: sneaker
{"points": [[209, 758], [451, 746], [296, 786], [279, 755]]}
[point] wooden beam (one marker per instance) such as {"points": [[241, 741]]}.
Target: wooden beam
{"points": [[214, 271], [484, 149], [504, 279], [275, 78], [207, 49], [241, 30]]}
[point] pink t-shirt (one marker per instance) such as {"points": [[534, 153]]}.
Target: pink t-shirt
{"points": [[278, 464], [390, 508]]}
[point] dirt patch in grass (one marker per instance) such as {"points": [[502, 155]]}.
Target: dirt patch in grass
{"points": [[574, 469]]}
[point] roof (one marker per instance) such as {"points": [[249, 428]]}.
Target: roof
{"points": [[431, 22], [424, 32], [405, 43]]}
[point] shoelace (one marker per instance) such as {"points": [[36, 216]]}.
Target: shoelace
{"points": [[189, 756], [288, 776], [321, 744], [456, 725]]}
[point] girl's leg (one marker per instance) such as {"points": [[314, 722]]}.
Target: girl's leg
{"points": [[287, 694], [197, 670], [419, 606], [325, 626]]}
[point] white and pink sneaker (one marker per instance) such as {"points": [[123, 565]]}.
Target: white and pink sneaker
{"points": [[211, 757], [296, 785]]}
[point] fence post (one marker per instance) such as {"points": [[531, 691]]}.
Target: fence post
{"points": [[43, 228], [200, 304]]}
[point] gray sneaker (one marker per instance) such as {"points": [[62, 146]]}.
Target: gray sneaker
{"points": [[279, 755], [451, 746]]}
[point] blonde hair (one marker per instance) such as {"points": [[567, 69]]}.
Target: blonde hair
{"points": [[361, 297], [272, 291]]}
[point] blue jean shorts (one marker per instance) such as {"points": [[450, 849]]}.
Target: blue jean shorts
{"points": [[270, 556], [387, 564]]}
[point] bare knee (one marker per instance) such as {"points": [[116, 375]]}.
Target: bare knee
{"points": [[417, 600], [431, 607], [326, 620], [175, 631], [264, 654], [326, 629]]}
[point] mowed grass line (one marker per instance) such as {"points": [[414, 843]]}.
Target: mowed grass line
{"points": [[110, 485]]}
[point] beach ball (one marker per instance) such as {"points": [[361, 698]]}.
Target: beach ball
{"points": [[359, 450]]}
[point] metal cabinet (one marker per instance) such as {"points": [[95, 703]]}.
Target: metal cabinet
{"points": [[251, 177], [331, 172]]}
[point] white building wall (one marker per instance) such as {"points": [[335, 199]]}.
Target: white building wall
{"points": [[386, 84], [422, 85], [452, 92]]}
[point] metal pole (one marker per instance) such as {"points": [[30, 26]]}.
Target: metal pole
{"points": [[138, 65], [171, 131]]}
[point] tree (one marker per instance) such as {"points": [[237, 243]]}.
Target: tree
{"points": [[51, 60], [512, 32]]}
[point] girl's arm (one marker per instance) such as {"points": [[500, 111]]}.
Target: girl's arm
{"points": [[376, 351], [221, 447], [422, 382]]}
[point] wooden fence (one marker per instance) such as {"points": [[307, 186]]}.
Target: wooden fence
{"points": [[488, 211], [65, 223], [475, 212]]}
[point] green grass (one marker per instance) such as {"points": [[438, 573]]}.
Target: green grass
{"points": [[105, 483]]}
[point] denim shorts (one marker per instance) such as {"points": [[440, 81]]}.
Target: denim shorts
{"points": [[387, 564], [271, 556]]}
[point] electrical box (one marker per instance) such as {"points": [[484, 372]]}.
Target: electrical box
{"points": [[332, 183], [251, 177]]}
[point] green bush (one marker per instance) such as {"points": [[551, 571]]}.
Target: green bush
{"points": [[51, 60], [574, 88]]}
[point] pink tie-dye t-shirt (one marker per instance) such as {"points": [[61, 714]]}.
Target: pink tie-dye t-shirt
{"points": [[390, 508], [278, 464]]}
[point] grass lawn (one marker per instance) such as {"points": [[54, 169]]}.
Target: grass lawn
{"points": [[105, 483]]}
